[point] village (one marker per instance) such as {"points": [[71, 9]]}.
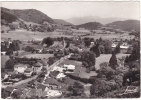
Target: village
{"points": [[48, 71], [46, 58]]}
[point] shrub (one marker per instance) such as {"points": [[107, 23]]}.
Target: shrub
{"points": [[76, 89], [106, 70], [29, 49], [49, 41], [99, 87]]}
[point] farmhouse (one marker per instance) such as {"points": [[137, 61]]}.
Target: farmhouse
{"points": [[60, 75], [69, 68], [37, 67], [123, 47], [20, 68], [28, 72], [53, 93]]}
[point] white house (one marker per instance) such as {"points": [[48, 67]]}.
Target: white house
{"points": [[37, 67], [60, 75], [28, 72], [69, 68], [53, 93], [20, 68], [57, 68], [3, 53]]}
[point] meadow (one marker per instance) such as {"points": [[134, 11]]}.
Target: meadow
{"points": [[28, 35]]}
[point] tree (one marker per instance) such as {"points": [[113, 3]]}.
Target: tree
{"points": [[68, 44], [102, 49], [29, 49], [106, 71], [117, 49], [108, 45], [113, 61], [135, 53], [51, 60], [126, 59], [76, 89], [88, 59], [87, 42], [96, 50], [100, 40], [16, 45], [136, 50], [49, 41], [10, 63], [4, 93], [99, 87]]}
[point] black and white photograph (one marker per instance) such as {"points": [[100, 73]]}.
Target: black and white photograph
{"points": [[70, 49]]}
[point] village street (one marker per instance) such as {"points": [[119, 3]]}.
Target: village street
{"points": [[55, 64]]}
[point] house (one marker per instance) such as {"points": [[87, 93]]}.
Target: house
{"points": [[28, 72], [60, 75], [53, 74], [3, 53], [53, 93], [37, 67], [34, 93], [52, 83], [4, 76], [69, 68], [20, 68], [57, 68]]}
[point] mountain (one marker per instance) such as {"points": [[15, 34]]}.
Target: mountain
{"points": [[90, 25], [61, 22], [82, 20], [127, 25], [29, 15], [32, 15], [7, 16]]}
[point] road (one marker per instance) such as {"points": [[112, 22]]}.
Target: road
{"points": [[55, 64]]}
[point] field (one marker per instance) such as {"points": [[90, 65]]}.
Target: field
{"points": [[27, 35], [106, 58], [111, 36]]}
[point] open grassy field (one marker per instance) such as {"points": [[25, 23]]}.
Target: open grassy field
{"points": [[106, 58], [28, 35], [111, 36]]}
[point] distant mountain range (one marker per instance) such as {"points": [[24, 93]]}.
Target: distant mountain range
{"points": [[82, 20], [62, 22], [127, 25], [29, 15], [35, 16]]}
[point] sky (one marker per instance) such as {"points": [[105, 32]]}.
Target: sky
{"points": [[66, 10]]}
